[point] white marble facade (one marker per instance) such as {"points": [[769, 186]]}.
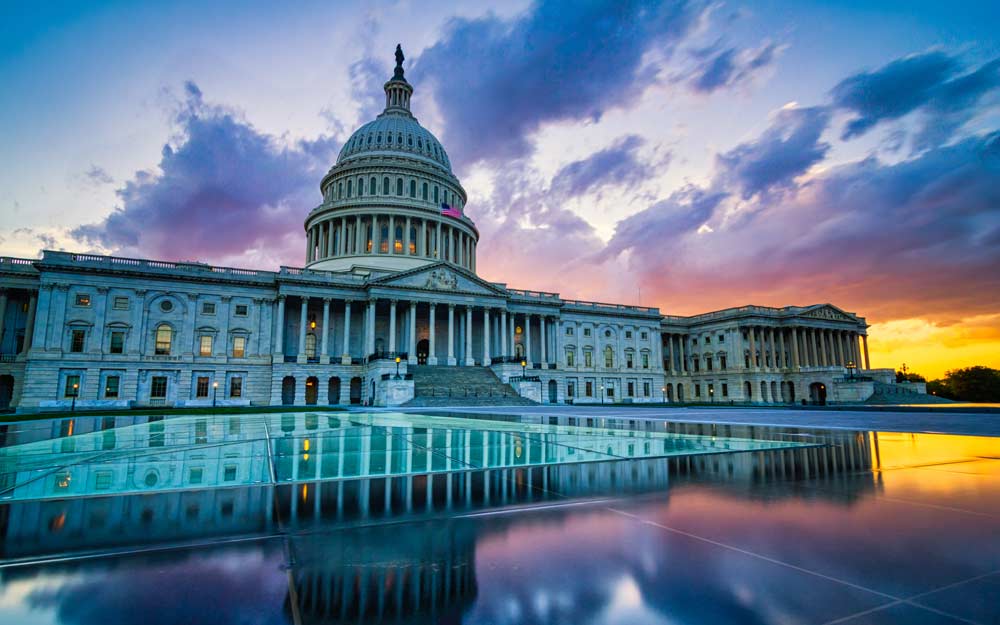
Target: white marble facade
{"points": [[390, 271]]}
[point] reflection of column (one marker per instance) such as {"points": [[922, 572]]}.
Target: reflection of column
{"points": [[412, 348], [345, 357], [451, 328], [469, 360], [303, 311], [864, 339], [503, 333], [431, 332], [486, 337], [527, 339], [323, 350], [279, 330], [392, 326]]}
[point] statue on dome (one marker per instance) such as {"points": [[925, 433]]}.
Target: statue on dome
{"points": [[398, 73]]}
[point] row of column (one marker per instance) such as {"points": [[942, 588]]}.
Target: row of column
{"points": [[357, 235], [29, 328], [767, 348]]}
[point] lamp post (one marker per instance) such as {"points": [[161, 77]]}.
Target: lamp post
{"points": [[215, 392], [524, 363], [711, 394], [601, 389], [397, 366], [76, 392], [851, 367]]}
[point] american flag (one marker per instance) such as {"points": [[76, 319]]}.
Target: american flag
{"points": [[450, 211]]}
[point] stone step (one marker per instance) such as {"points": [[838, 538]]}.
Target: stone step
{"points": [[435, 385]]}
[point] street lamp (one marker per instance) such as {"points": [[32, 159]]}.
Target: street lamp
{"points": [[76, 392], [851, 367], [397, 366], [524, 363], [601, 389], [711, 394], [215, 392]]}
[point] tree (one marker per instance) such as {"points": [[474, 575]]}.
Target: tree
{"points": [[974, 384], [909, 376]]}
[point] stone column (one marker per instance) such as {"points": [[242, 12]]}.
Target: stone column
{"points": [[406, 238], [670, 354], [3, 314], [359, 246], [411, 350], [783, 364], [503, 333], [683, 363], [451, 327], [486, 337], [324, 345], [432, 331], [821, 346], [795, 348], [303, 311], [345, 356], [342, 241], [839, 341], [29, 328], [437, 255], [370, 318], [392, 326], [753, 350], [864, 339], [542, 340], [469, 360], [392, 234], [527, 339], [279, 330], [422, 242]]}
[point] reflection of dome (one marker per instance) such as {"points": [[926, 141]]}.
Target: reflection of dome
{"points": [[391, 202]]}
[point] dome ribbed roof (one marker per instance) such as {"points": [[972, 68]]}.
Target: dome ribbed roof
{"points": [[393, 134]]}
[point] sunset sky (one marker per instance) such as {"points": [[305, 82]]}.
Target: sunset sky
{"points": [[687, 155]]}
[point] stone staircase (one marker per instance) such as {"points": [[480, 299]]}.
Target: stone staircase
{"points": [[461, 386], [900, 394]]}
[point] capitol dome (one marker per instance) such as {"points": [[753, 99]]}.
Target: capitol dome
{"points": [[391, 201]]}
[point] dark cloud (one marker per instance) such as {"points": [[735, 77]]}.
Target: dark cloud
{"points": [[685, 211], [899, 240], [497, 81], [787, 149], [932, 82], [223, 192], [616, 165], [729, 67]]}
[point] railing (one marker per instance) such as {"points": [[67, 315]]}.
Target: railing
{"points": [[465, 392], [506, 359], [383, 355], [400, 376], [611, 307], [544, 295], [13, 260], [524, 378], [137, 263], [8, 357]]}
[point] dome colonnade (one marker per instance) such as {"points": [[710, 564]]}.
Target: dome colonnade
{"points": [[391, 202]]}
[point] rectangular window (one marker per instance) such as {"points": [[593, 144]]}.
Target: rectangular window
{"points": [[117, 345], [631, 389], [242, 310], [722, 362], [102, 480], [645, 389], [201, 387], [711, 390], [628, 334], [611, 391], [83, 299], [588, 358], [208, 308], [725, 390], [239, 346], [722, 338], [589, 388], [206, 345], [236, 387], [708, 364], [120, 303], [111, 386], [570, 389], [570, 358], [201, 431], [697, 390], [569, 330], [78, 338], [644, 336], [696, 365], [628, 360], [645, 361], [708, 340], [195, 475], [72, 388], [586, 331], [230, 473], [158, 387]]}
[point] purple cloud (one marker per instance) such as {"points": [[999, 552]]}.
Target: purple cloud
{"points": [[932, 82], [497, 81], [223, 192], [616, 165], [727, 68]]}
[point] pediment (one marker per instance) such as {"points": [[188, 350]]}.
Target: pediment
{"points": [[439, 277], [830, 313]]}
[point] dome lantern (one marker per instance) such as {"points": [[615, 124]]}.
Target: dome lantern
{"points": [[397, 90]]}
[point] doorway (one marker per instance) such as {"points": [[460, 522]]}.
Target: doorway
{"points": [[817, 393], [553, 392], [423, 349], [312, 390]]}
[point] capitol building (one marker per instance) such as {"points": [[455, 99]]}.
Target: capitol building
{"points": [[389, 310]]}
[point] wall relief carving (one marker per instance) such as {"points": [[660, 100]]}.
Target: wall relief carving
{"points": [[441, 279]]}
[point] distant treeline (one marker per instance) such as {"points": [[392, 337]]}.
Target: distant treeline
{"points": [[972, 384]]}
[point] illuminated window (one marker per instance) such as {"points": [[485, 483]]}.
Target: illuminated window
{"points": [[201, 387], [609, 357], [413, 241], [111, 386], [77, 341], [205, 342], [383, 239], [83, 299], [164, 336], [239, 346], [236, 387], [72, 387], [397, 245]]}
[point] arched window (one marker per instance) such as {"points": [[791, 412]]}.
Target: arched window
{"points": [[420, 144], [609, 357], [385, 185], [349, 188], [435, 195], [384, 239], [409, 140], [164, 337], [425, 191], [413, 188], [388, 138], [378, 138], [399, 186], [361, 187], [397, 245], [368, 247], [373, 186], [413, 240], [340, 190]]}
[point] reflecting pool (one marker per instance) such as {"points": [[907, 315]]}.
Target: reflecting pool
{"points": [[397, 518]]}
